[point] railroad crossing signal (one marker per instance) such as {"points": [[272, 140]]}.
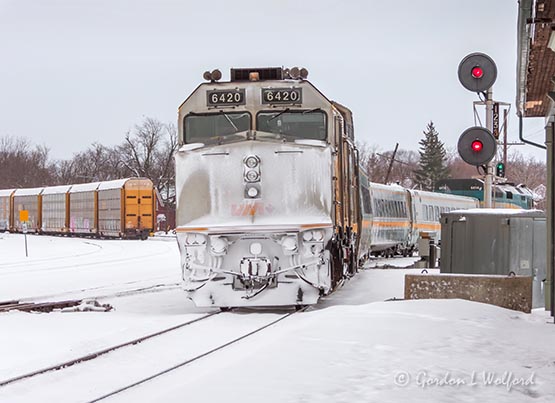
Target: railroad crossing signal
{"points": [[477, 72], [477, 146]]}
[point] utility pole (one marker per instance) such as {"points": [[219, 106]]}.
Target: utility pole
{"points": [[391, 163]]}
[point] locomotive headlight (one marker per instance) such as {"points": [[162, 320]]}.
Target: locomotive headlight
{"points": [[252, 192], [252, 161], [218, 245], [252, 176], [289, 244], [313, 236], [255, 248], [194, 239]]}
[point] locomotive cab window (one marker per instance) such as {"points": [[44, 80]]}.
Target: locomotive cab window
{"points": [[309, 124], [214, 127]]}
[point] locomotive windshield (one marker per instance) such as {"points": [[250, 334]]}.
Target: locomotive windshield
{"points": [[210, 128], [298, 124]]}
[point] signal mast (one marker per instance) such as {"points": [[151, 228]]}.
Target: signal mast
{"points": [[477, 145]]}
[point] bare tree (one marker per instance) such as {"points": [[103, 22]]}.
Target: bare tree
{"points": [[375, 164], [97, 163], [139, 148], [528, 171], [165, 158], [148, 152], [458, 168], [22, 165]]}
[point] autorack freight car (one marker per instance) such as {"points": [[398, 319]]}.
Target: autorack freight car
{"points": [[83, 209], [120, 208], [126, 208], [29, 200], [5, 208], [55, 201]]}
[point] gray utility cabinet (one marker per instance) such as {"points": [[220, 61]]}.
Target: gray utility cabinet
{"points": [[496, 241]]}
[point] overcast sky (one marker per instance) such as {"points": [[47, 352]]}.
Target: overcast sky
{"points": [[74, 72]]}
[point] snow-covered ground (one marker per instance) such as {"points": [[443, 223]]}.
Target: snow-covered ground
{"points": [[352, 347]]}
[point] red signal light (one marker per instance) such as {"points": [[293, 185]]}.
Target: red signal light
{"points": [[477, 146], [477, 72]]}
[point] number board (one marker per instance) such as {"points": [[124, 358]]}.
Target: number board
{"points": [[225, 97], [282, 95]]}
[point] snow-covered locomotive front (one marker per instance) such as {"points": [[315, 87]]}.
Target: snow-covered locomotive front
{"points": [[256, 193]]}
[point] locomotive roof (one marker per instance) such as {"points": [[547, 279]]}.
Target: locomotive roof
{"points": [[241, 77]]}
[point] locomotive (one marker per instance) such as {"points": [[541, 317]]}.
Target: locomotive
{"points": [[505, 195], [272, 207], [268, 207]]}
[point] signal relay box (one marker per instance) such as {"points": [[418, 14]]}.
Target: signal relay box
{"points": [[496, 241]]}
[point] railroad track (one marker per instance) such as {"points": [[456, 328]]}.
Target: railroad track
{"points": [[158, 354], [99, 353], [37, 306], [41, 303], [191, 360]]}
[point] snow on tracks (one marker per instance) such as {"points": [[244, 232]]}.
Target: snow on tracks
{"points": [[127, 367]]}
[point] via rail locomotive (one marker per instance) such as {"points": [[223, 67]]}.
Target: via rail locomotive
{"points": [[269, 206], [505, 195]]}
